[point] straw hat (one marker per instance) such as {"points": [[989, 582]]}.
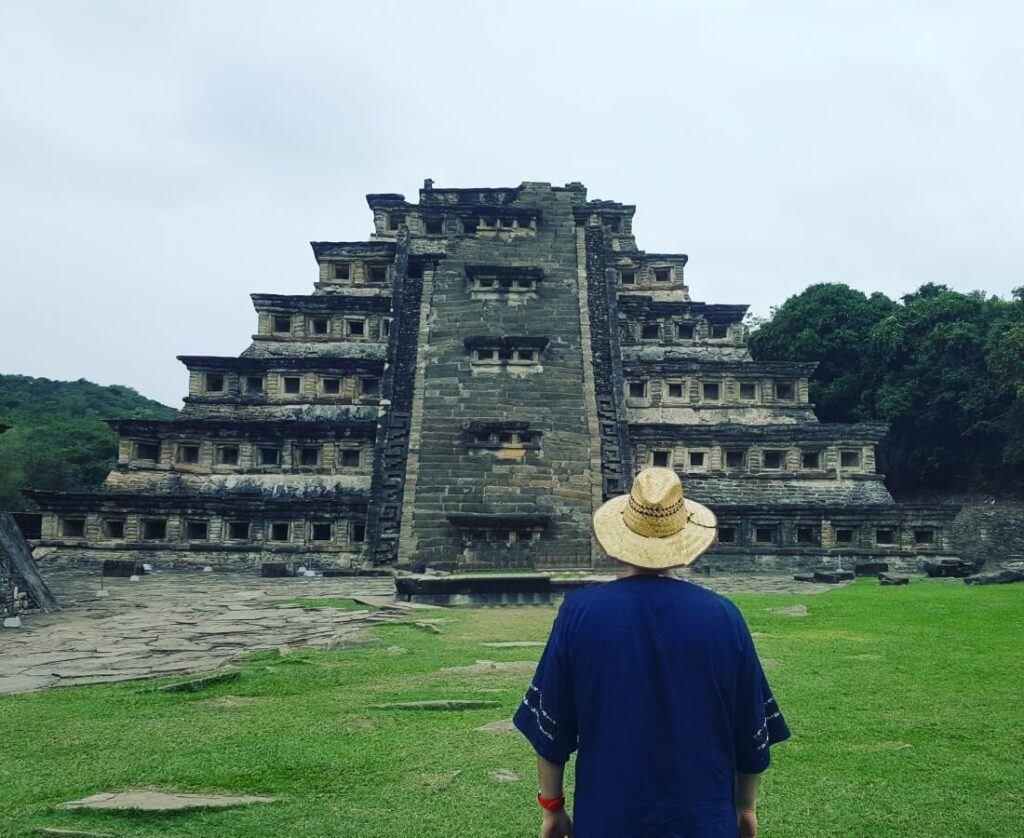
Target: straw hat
{"points": [[654, 525]]}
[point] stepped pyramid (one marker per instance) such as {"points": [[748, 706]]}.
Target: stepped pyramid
{"points": [[463, 389]]}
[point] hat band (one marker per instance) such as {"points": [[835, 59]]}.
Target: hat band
{"points": [[655, 522]]}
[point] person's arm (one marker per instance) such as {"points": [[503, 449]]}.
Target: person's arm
{"points": [[556, 824], [745, 796]]}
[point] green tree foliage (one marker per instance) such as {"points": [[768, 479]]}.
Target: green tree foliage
{"points": [[946, 369], [827, 323], [58, 439]]}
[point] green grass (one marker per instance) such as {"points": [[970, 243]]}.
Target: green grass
{"points": [[904, 702]]}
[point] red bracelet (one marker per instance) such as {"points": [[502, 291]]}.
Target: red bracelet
{"points": [[551, 804]]}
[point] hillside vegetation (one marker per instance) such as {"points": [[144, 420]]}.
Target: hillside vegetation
{"points": [[57, 438], [946, 369]]}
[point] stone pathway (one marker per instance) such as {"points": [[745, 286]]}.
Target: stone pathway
{"points": [[757, 583], [177, 622], [174, 623]]}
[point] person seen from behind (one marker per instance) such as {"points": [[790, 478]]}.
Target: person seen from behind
{"points": [[655, 684]]}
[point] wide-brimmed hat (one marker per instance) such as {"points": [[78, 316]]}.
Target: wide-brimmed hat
{"points": [[654, 525]]}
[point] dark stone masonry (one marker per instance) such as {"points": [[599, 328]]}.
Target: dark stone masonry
{"points": [[464, 389]]}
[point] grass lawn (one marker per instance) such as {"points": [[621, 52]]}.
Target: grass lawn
{"points": [[905, 705]]}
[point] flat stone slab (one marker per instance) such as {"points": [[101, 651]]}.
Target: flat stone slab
{"points": [[514, 644], [791, 611], [158, 801], [391, 602], [483, 667], [25, 683], [454, 704]]}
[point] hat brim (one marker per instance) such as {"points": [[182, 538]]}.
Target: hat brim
{"points": [[676, 550]]}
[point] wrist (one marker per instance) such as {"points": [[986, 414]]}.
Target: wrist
{"points": [[551, 805]]}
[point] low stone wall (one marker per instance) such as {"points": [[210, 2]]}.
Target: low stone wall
{"points": [[991, 529], [226, 560], [788, 563]]}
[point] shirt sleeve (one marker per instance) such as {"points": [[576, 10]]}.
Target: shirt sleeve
{"points": [[758, 723], [547, 715]]}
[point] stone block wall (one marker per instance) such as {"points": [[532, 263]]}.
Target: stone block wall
{"points": [[455, 479]]}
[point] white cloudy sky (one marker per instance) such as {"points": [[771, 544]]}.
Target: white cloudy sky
{"points": [[159, 161]]}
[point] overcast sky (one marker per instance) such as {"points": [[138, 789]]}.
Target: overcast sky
{"points": [[160, 161]]}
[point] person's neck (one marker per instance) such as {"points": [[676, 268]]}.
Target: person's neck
{"points": [[633, 570]]}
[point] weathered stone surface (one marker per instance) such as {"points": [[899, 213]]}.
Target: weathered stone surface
{"points": [[117, 568], [791, 611], [146, 800], [462, 390], [833, 577], [955, 568], [485, 666], [448, 704], [25, 683], [888, 579], [1010, 573], [514, 644], [174, 623], [273, 570]]}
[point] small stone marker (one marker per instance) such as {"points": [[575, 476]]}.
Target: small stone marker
{"points": [[503, 775], [12, 622], [481, 667], [886, 579], [514, 644], [208, 569], [791, 611], [452, 704], [145, 800]]}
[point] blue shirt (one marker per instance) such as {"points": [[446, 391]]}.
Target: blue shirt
{"points": [[657, 683]]}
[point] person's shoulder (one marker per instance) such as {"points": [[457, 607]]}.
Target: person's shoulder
{"points": [[709, 599]]}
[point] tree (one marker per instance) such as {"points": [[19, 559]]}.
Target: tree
{"points": [[58, 439], [830, 323], [946, 369]]}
